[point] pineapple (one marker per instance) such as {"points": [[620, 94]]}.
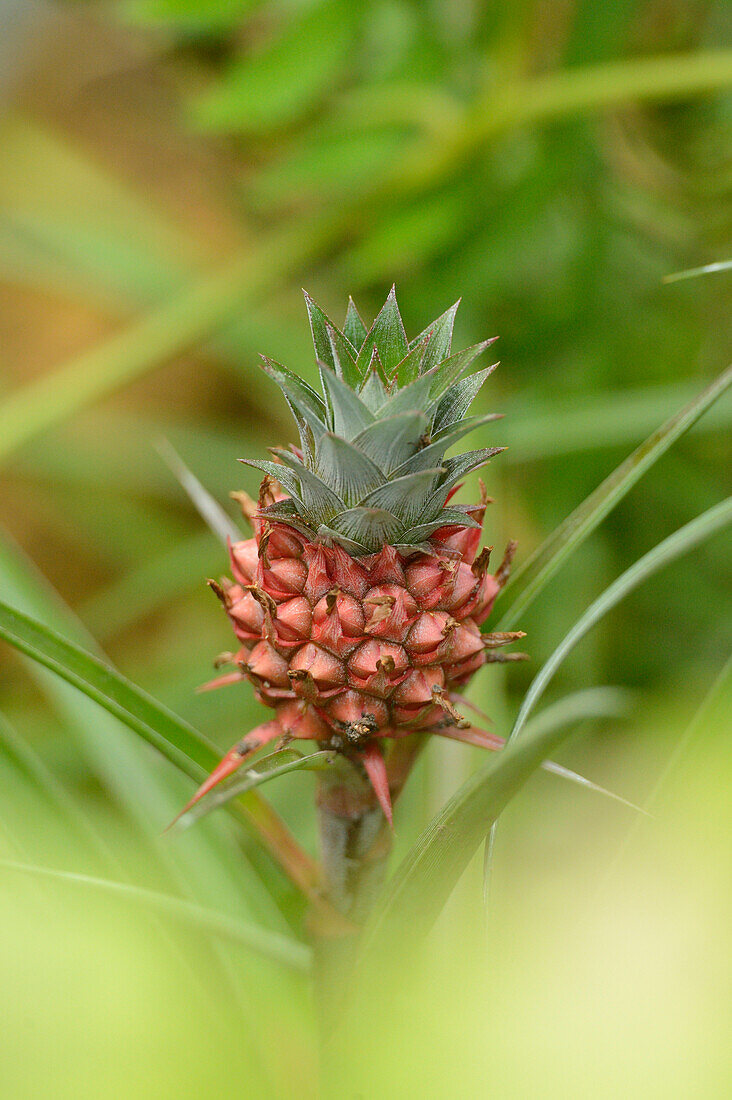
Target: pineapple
{"points": [[358, 603]]}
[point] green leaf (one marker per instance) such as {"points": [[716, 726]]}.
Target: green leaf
{"points": [[438, 336], [374, 387], [308, 410], [286, 510], [405, 497], [175, 739], [409, 368], [390, 442], [298, 393], [210, 511], [694, 272], [353, 328], [286, 77], [528, 581], [350, 414], [447, 372], [288, 479], [346, 469], [424, 880], [211, 866], [466, 463], [454, 405], [432, 455], [319, 501], [344, 357], [273, 944], [426, 877], [356, 549], [681, 542], [318, 328], [580, 706], [387, 335], [455, 468], [369, 527], [267, 767], [412, 397], [446, 518], [331, 346]]}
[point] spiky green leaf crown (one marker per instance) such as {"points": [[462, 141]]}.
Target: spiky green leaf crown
{"points": [[372, 468]]}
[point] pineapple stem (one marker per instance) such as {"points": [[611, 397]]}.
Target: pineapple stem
{"points": [[355, 848]]}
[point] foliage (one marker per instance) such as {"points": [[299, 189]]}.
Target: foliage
{"points": [[172, 173]]}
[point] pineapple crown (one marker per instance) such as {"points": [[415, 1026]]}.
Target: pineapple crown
{"points": [[371, 467]]}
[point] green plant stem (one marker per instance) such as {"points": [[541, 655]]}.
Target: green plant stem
{"points": [[560, 95], [355, 845], [355, 848]]}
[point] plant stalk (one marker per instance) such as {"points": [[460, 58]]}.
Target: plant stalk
{"points": [[355, 846]]}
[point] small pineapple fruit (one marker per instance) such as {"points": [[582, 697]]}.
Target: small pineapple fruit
{"points": [[359, 600]]}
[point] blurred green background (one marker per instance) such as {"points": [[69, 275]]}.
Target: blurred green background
{"points": [[172, 173]]}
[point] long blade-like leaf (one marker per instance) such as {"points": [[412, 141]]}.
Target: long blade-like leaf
{"points": [[591, 703], [209, 867], [596, 702], [680, 542], [426, 877], [208, 508], [269, 767], [528, 581], [694, 272], [179, 742], [200, 917], [52, 791]]}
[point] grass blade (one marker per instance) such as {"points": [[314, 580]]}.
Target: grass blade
{"points": [[52, 792], [209, 866], [683, 540], [693, 272], [179, 742], [269, 767], [534, 574], [208, 508], [427, 875], [597, 702], [185, 319], [680, 542], [198, 917]]}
